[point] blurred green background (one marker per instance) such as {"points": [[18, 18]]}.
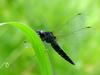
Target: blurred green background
{"points": [[63, 18]]}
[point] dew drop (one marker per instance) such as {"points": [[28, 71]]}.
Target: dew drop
{"points": [[26, 45]]}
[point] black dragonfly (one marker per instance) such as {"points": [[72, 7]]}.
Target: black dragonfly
{"points": [[49, 37]]}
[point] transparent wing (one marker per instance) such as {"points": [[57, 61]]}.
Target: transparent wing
{"points": [[75, 24], [65, 32], [71, 35]]}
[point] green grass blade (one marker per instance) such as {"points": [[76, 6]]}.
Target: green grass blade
{"points": [[43, 61]]}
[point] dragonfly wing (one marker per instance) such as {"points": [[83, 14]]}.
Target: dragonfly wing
{"points": [[61, 52]]}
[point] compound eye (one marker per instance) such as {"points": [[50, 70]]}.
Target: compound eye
{"points": [[42, 35]]}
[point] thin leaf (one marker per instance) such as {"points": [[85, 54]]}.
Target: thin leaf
{"points": [[43, 61]]}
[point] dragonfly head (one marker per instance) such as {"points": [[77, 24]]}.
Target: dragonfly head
{"points": [[41, 33]]}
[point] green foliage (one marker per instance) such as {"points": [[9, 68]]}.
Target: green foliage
{"points": [[37, 45], [62, 17]]}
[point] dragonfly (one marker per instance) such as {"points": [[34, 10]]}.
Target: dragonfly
{"points": [[50, 38]]}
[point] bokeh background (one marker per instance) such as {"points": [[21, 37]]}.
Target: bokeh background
{"points": [[67, 19]]}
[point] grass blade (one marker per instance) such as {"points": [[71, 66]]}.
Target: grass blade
{"points": [[43, 61]]}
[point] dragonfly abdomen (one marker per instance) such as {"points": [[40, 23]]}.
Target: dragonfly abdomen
{"points": [[61, 52]]}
